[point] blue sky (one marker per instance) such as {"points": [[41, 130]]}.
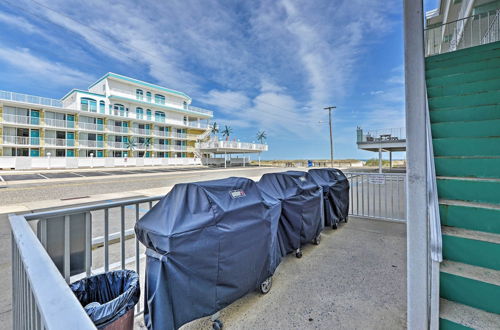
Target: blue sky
{"points": [[260, 65]]}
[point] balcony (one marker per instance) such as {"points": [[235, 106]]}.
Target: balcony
{"points": [[11, 96], [374, 270], [141, 131], [90, 144], [463, 33], [54, 142], [118, 129], [23, 120], [59, 123], [21, 140], [90, 126], [161, 133], [231, 147], [161, 147], [116, 145]]}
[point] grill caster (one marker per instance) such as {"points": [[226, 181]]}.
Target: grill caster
{"points": [[265, 286], [317, 240], [217, 325], [334, 225], [298, 253]]}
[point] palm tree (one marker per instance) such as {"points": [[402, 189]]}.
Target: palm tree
{"points": [[147, 143], [261, 137], [215, 128], [227, 131], [131, 144]]}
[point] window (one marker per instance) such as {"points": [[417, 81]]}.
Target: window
{"points": [[102, 106], [139, 112], [148, 114], [139, 94], [148, 96], [88, 104], [160, 99], [119, 110], [185, 105], [160, 116]]}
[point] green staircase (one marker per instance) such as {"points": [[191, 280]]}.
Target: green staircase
{"points": [[463, 90]]}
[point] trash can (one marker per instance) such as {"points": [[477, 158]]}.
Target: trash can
{"points": [[336, 194], [109, 298], [301, 219], [208, 244], [309, 163]]}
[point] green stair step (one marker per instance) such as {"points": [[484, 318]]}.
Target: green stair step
{"points": [[471, 247], [459, 60], [466, 317], [462, 101], [471, 216], [465, 67], [469, 189], [485, 112], [466, 129], [479, 146], [463, 78], [470, 286], [451, 89], [464, 53], [476, 167], [450, 325]]}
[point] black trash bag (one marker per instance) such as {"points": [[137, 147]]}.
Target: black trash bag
{"points": [[107, 297], [208, 244], [336, 193], [301, 219]]}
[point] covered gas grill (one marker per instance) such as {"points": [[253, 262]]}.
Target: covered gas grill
{"points": [[208, 244], [301, 219], [335, 192]]}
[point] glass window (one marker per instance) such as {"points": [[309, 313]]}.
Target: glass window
{"points": [[139, 94], [119, 110], [185, 104], [139, 112], [148, 96], [148, 113], [88, 104], [160, 116], [160, 99], [102, 107]]}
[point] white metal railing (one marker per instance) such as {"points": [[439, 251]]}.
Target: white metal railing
{"points": [[141, 131], [374, 195], [118, 129], [90, 144], [381, 135], [200, 110], [113, 144], [463, 33], [232, 145], [59, 142], [162, 147], [11, 96], [59, 123], [21, 140], [26, 120], [90, 126]]}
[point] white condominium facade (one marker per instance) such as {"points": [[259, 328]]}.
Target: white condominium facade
{"points": [[117, 116]]}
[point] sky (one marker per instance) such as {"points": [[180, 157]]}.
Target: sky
{"points": [[269, 65]]}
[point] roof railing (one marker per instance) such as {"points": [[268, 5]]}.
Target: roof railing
{"points": [[11, 96]]}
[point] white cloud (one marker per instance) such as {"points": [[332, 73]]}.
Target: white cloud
{"points": [[37, 68]]}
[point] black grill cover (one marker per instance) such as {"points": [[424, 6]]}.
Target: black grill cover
{"points": [[335, 191], [301, 218], [209, 243]]}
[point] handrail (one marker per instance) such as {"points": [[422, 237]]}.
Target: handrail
{"points": [[43, 301], [12, 96]]}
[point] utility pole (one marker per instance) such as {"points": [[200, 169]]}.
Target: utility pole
{"points": [[331, 136]]}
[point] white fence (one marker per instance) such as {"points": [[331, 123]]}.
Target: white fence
{"points": [[28, 163]]}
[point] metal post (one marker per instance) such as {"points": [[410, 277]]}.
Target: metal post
{"points": [[417, 225], [331, 136], [380, 160], [225, 160], [390, 159]]}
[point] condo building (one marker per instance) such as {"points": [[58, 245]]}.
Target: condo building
{"points": [[117, 116]]}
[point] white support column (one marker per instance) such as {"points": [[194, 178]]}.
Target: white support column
{"points": [[380, 159], [416, 196]]}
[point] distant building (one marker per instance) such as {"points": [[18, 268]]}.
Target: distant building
{"points": [[117, 116]]}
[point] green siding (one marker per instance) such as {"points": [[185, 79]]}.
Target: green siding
{"points": [[472, 252], [470, 292], [472, 218]]}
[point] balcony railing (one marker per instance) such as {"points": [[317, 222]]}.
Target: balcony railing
{"points": [[200, 110], [162, 147], [232, 145], [11, 96], [381, 135], [118, 145], [118, 129], [161, 133], [59, 142], [90, 144], [90, 126], [25, 120], [463, 33], [141, 131], [59, 123], [21, 140]]}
